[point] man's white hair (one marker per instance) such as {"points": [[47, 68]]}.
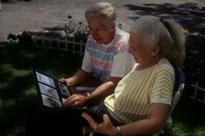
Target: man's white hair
{"points": [[104, 10]]}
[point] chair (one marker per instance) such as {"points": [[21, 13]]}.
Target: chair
{"points": [[178, 90]]}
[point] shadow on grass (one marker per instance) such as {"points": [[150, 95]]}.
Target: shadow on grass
{"points": [[17, 91], [190, 113], [16, 87], [190, 15], [188, 119]]}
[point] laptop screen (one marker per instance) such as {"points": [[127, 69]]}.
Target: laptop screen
{"points": [[52, 92]]}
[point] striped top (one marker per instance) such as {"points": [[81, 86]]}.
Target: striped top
{"points": [[99, 59], [136, 92]]}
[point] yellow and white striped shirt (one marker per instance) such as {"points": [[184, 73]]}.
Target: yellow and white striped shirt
{"points": [[136, 92]]}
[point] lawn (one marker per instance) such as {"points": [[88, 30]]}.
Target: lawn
{"points": [[189, 118], [18, 93]]}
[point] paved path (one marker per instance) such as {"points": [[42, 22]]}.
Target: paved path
{"points": [[17, 16]]}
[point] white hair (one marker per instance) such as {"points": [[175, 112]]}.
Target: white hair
{"points": [[167, 34], [104, 10]]}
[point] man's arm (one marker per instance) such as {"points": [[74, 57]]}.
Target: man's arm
{"points": [[78, 78], [96, 96], [82, 75], [104, 90]]}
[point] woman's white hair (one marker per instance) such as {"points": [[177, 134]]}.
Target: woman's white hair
{"points": [[165, 33], [104, 10]]}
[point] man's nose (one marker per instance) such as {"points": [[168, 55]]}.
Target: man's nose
{"points": [[94, 34], [129, 50]]}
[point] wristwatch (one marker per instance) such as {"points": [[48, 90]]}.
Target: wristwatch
{"points": [[88, 95], [117, 131]]}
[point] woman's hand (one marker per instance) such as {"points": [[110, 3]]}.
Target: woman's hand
{"points": [[76, 100], [105, 127]]}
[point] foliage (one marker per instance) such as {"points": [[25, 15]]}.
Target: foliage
{"points": [[194, 66], [71, 31], [78, 31]]}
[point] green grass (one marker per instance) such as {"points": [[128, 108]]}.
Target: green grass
{"points": [[18, 93], [189, 118]]}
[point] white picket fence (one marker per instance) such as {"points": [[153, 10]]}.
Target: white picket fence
{"points": [[199, 93], [59, 44]]}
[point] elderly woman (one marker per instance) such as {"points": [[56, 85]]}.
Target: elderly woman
{"points": [[106, 58], [141, 101]]}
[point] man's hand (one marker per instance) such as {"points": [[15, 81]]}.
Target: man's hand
{"points": [[66, 81], [76, 100], [78, 78]]}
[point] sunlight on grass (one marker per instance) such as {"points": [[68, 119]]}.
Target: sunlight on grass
{"points": [[6, 103], [6, 72], [11, 71], [15, 72], [28, 54], [17, 131], [21, 72], [179, 129], [7, 67], [9, 74], [31, 91], [200, 131]]}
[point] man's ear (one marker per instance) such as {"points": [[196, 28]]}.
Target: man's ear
{"points": [[156, 51], [113, 27]]}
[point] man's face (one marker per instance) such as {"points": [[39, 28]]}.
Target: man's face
{"points": [[102, 33]]}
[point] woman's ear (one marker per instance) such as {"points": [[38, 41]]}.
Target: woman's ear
{"points": [[156, 51]]}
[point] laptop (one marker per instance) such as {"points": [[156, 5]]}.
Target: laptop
{"points": [[52, 92]]}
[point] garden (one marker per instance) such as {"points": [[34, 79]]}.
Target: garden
{"points": [[62, 56], [18, 94]]}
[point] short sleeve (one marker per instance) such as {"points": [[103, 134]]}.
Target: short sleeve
{"points": [[86, 64], [163, 86], [122, 64]]}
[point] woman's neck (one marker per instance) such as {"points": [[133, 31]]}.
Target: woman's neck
{"points": [[148, 63]]}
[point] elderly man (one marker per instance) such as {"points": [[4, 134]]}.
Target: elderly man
{"points": [[106, 58]]}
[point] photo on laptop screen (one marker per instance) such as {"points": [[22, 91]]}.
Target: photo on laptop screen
{"points": [[51, 91]]}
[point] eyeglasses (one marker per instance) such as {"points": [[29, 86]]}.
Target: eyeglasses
{"points": [[96, 30]]}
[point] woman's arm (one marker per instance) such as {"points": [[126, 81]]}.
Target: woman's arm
{"points": [[152, 123]]}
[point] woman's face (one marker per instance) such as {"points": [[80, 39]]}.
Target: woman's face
{"points": [[141, 53], [102, 33]]}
